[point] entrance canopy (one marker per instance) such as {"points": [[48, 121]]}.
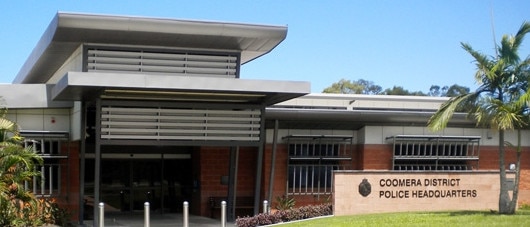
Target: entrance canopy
{"points": [[84, 85]]}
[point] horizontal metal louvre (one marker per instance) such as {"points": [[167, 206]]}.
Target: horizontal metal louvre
{"points": [[180, 124], [190, 64]]}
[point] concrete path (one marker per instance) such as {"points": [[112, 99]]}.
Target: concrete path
{"points": [[170, 219]]}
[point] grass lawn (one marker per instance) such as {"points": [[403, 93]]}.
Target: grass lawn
{"points": [[446, 219]]}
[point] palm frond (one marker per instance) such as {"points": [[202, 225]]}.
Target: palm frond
{"points": [[482, 62], [441, 117], [7, 126], [523, 30], [507, 50], [500, 115]]}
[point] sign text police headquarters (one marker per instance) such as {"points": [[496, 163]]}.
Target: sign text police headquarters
{"points": [[402, 188], [386, 191]]}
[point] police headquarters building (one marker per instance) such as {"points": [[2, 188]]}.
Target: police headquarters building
{"points": [[132, 109]]}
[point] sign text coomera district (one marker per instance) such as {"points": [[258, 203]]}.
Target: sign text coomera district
{"points": [[432, 188]]}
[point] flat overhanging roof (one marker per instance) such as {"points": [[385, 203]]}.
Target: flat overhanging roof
{"points": [[356, 119], [29, 96], [69, 30], [88, 85]]}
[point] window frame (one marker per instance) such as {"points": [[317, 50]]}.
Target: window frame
{"points": [[312, 160], [435, 153], [49, 146]]}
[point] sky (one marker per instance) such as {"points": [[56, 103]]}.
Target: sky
{"points": [[410, 43]]}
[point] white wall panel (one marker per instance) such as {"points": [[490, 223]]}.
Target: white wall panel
{"points": [[75, 121], [73, 64], [41, 119]]}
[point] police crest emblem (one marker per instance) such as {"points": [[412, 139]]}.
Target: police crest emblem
{"points": [[365, 188]]}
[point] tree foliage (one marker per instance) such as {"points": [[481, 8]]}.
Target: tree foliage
{"points": [[18, 205], [398, 90], [448, 91], [354, 87], [367, 87]]}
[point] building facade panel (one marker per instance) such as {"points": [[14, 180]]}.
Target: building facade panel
{"points": [[41, 119]]}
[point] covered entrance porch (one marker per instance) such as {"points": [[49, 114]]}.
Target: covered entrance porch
{"points": [[128, 180], [130, 132]]}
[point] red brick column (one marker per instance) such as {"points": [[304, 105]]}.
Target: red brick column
{"points": [[69, 197], [214, 164], [376, 157]]}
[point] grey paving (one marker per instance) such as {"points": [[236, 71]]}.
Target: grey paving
{"points": [[170, 219]]}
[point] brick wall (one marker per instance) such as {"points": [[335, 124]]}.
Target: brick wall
{"points": [[376, 157], [69, 197], [379, 157], [489, 160], [213, 165]]}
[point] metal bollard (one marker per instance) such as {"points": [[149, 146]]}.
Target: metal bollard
{"points": [[265, 207], [223, 214], [101, 219], [146, 214], [185, 213]]}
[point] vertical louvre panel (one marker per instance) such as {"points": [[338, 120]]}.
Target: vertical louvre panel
{"points": [[435, 153], [185, 63], [312, 160], [180, 124]]}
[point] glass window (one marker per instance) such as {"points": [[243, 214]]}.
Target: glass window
{"points": [[49, 180]]}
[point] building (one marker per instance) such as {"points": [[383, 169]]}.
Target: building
{"points": [[132, 109]]}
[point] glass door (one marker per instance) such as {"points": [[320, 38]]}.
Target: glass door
{"points": [[146, 184], [127, 183], [116, 184]]}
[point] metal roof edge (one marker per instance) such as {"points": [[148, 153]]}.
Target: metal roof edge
{"points": [[35, 55], [252, 40], [374, 97], [28, 96]]}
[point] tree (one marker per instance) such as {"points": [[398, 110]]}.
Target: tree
{"points": [[398, 90], [446, 91], [369, 88], [437, 91], [354, 87], [501, 102], [456, 90]]}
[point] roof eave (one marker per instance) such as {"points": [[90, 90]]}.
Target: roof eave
{"points": [[76, 86], [69, 30]]}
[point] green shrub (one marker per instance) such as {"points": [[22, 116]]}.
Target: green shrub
{"points": [[18, 164], [35, 212], [285, 203], [524, 206]]}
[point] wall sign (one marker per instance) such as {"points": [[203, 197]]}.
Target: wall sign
{"points": [[358, 192]]}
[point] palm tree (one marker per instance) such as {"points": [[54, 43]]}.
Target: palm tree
{"points": [[17, 165], [501, 101]]}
